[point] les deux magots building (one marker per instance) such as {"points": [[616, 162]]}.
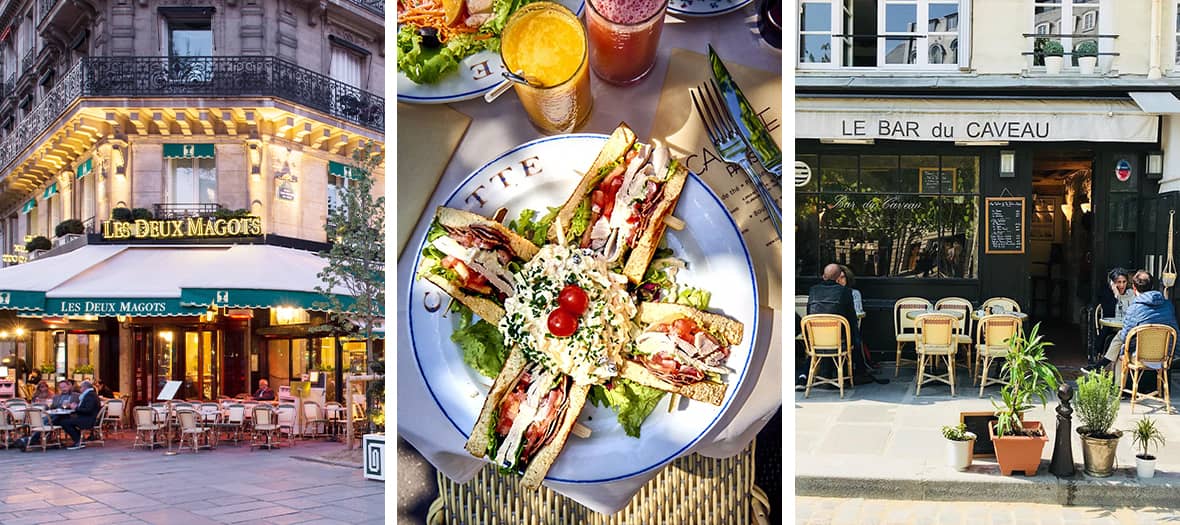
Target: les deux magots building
{"points": [[166, 169]]}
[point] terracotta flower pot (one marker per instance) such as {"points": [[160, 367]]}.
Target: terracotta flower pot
{"points": [[1019, 452]]}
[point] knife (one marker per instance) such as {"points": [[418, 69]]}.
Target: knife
{"points": [[754, 132]]}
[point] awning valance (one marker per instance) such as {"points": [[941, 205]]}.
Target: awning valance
{"points": [[105, 307], [343, 170], [973, 120], [50, 191], [254, 298], [188, 151], [84, 168], [28, 207]]}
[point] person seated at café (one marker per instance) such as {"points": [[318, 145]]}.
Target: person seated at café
{"points": [[66, 399], [264, 392], [858, 305], [34, 377], [84, 416], [832, 296], [42, 394], [1148, 307], [103, 390]]}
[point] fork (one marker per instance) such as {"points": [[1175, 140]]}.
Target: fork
{"points": [[726, 139]]}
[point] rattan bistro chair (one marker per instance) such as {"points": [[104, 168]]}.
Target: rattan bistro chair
{"points": [[47, 433], [935, 339], [233, 422], [964, 336], [903, 326], [190, 429], [94, 435], [1154, 347], [7, 426], [314, 422], [147, 428], [113, 419], [265, 427], [287, 418], [992, 334], [1009, 305], [827, 336]]}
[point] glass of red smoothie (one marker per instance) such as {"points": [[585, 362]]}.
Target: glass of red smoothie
{"points": [[623, 37]]}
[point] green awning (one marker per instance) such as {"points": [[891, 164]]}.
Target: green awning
{"points": [[188, 151], [165, 307], [250, 298], [344, 170], [50, 191], [21, 300], [84, 168], [28, 207]]}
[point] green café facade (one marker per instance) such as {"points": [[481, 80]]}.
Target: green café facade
{"points": [[210, 302]]}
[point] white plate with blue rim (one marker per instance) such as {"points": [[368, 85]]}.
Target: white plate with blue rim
{"points": [[540, 174], [702, 8], [477, 74]]}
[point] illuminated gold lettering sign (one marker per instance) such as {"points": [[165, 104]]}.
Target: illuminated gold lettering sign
{"points": [[187, 228]]}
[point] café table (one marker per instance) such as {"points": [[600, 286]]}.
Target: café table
{"points": [[502, 125], [980, 314], [1111, 322], [913, 314]]}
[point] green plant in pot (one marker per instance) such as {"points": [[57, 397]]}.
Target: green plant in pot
{"points": [[961, 443], [1097, 407], [1019, 443], [1087, 54], [84, 371], [39, 242], [1143, 436], [1052, 53]]}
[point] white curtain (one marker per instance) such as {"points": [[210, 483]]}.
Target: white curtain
{"points": [[346, 66]]}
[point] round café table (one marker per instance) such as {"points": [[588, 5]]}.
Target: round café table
{"points": [[1111, 322], [980, 314], [957, 314]]}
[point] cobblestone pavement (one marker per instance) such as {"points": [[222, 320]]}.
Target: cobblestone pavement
{"points": [[857, 511], [116, 485]]}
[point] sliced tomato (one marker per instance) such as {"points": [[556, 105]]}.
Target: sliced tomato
{"points": [[684, 328], [610, 188], [508, 411], [597, 200]]}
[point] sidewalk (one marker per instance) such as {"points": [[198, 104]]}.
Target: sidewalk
{"points": [[881, 441]]}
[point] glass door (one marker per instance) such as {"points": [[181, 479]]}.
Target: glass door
{"points": [[200, 365]]}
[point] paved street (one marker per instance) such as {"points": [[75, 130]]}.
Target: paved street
{"points": [[117, 485], [857, 511]]}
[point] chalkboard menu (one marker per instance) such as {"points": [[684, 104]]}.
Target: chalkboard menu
{"points": [[976, 422], [1004, 225], [934, 180]]}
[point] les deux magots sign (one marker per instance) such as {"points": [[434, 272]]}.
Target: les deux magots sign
{"points": [[191, 227]]}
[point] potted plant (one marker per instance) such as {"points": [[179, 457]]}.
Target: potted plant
{"points": [[1053, 52], [961, 445], [122, 215], [83, 372], [1087, 53], [142, 214], [1098, 406], [1019, 443], [39, 242], [1145, 434], [69, 227]]}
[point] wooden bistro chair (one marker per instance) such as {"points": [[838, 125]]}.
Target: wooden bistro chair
{"points": [[903, 326], [1008, 304], [265, 427], [992, 334], [1154, 346], [828, 336], [963, 337], [147, 428], [7, 426], [47, 432], [936, 339]]}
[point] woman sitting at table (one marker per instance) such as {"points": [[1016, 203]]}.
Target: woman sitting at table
{"points": [[858, 305], [103, 390], [42, 394], [1115, 297]]}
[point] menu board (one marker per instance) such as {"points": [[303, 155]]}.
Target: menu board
{"points": [[1004, 225], [934, 180]]}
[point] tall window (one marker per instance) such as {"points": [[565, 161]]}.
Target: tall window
{"points": [[1070, 22], [876, 33], [190, 37], [336, 184], [912, 216], [347, 66], [192, 181]]}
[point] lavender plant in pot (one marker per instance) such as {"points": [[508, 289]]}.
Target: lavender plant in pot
{"points": [[1144, 435], [1098, 406]]}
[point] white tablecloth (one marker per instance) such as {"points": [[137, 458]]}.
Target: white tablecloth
{"points": [[498, 127]]}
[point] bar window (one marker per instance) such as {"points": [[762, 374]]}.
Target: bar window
{"points": [[901, 216]]}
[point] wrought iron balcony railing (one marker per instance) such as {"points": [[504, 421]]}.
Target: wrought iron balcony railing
{"points": [[193, 77], [46, 6], [169, 210], [376, 6], [26, 63]]}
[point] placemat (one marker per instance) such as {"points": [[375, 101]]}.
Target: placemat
{"points": [[426, 138], [683, 132]]}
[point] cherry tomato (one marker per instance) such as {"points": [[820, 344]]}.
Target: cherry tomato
{"points": [[562, 323], [573, 299]]}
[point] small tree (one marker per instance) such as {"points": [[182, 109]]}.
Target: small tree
{"points": [[356, 261]]}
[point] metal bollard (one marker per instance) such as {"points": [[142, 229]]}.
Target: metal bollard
{"points": [[1062, 465]]}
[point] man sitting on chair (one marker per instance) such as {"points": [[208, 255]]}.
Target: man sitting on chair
{"points": [[264, 392], [1148, 307], [832, 297], [84, 416]]}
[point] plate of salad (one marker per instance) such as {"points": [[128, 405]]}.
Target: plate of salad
{"points": [[702, 8], [449, 50], [633, 428]]}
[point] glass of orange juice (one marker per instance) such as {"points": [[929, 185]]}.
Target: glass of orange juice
{"points": [[545, 44]]}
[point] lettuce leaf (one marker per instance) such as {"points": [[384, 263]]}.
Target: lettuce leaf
{"points": [[426, 66], [501, 10], [481, 342], [631, 401], [579, 222], [535, 231]]}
